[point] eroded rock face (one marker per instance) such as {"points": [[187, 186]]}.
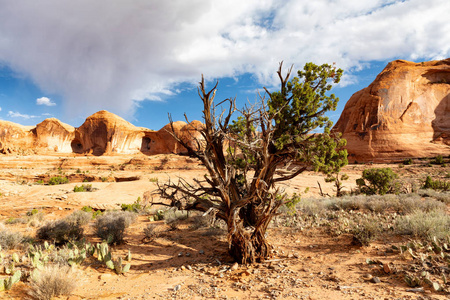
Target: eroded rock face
{"points": [[103, 133], [404, 113], [54, 135], [107, 133], [15, 138]]}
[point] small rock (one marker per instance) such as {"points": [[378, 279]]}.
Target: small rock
{"points": [[188, 254], [177, 287], [180, 254], [189, 267], [375, 280], [201, 252], [386, 268], [234, 267], [183, 268], [367, 277]]}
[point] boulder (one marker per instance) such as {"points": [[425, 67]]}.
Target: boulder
{"points": [[404, 113]]}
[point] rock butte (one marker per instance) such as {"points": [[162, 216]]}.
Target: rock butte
{"points": [[103, 133], [404, 113]]}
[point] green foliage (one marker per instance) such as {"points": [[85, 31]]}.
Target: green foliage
{"points": [[7, 283], [407, 161], [89, 209], [379, 181], [58, 180], [134, 207], [436, 184], [299, 107], [83, 188], [438, 160]]}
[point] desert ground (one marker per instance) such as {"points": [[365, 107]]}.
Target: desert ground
{"points": [[187, 261]]}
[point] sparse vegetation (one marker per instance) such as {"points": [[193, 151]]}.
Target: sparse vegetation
{"points": [[111, 225], [377, 181], [52, 281], [60, 231], [83, 188], [58, 180], [436, 184], [438, 160], [11, 239]]}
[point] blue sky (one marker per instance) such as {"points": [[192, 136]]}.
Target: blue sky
{"points": [[141, 59]]}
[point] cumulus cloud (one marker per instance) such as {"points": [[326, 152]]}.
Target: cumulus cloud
{"points": [[14, 114], [109, 54], [45, 101]]}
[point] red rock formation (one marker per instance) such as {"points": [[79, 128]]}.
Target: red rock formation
{"points": [[54, 135], [15, 138], [102, 133], [405, 112]]}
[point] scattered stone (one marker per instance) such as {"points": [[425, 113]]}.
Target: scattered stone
{"points": [[367, 277], [234, 267], [188, 254], [387, 268], [177, 287], [416, 290], [180, 254], [375, 280], [201, 252]]}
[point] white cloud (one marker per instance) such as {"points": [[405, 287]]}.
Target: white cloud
{"points": [[13, 114], [0, 109], [45, 101], [106, 54]]}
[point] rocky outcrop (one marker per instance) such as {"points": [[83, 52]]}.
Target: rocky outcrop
{"points": [[107, 133], [54, 135], [15, 138], [404, 113], [103, 133]]}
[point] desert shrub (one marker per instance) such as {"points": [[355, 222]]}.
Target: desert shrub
{"points": [[442, 196], [410, 203], [151, 232], [377, 181], [407, 161], [52, 281], [11, 239], [79, 217], [436, 184], [58, 180], [134, 207], [365, 230], [35, 218], [83, 188], [111, 225], [95, 213], [174, 215], [60, 231], [438, 160], [424, 224]]}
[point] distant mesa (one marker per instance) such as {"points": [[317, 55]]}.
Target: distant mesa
{"points": [[103, 133], [404, 113]]}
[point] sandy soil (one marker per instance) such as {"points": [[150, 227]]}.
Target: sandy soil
{"points": [[188, 263]]}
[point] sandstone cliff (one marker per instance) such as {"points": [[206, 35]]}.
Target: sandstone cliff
{"points": [[405, 112], [103, 133]]}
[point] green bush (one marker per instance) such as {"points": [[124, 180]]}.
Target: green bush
{"points": [[58, 180], [135, 207], [95, 213], [377, 181], [407, 162], [438, 160], [83, 188], [111, 225], [436, 184]]}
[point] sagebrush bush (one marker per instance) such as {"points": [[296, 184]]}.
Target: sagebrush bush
{"points": [[79, 217], [111, 225], [11, 239], [52, 281], [365, 230], [60, 231], [83, 188], [425, 224], [377, 181]]}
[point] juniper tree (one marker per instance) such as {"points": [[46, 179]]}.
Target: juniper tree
{"points": [[272, 141]]}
